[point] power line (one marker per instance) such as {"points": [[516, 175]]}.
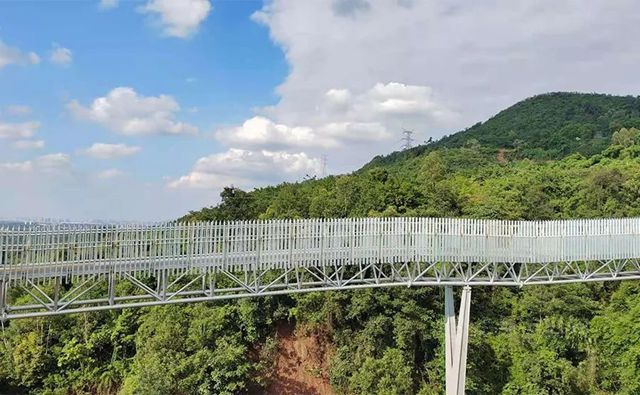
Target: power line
{"points": [[407, 139]]}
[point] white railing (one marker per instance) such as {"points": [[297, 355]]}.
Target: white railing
{"points": [[54, 251]]}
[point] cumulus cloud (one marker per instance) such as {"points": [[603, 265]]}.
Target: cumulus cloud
{"points": [[342, 118], [437, 67], [355, 132], [263, 132], [10, 55], [60, 55], [386, 103], [383, 66], [246, 168], [28, 144], [338, 98], [343, 122], [21, 130], [51, 163], [110, 151], [126, 112], [407, 100], [178, 18]]}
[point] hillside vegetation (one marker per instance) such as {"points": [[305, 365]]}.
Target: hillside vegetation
{"points": [[548, 126], [570, 339]]}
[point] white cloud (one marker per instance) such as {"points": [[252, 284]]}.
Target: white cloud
{"points": [[437, 67], [110, 174], [408, 100], [338, 98], [11, 55], [107, 4], [346, 123], [60, 55], [126, 112], [384, 100], [200, 180], [384, 65], [110, 151], [20, 130], [343, 118], [246, 169], [349, 132], [58, 162], [18, 110], [243, 162], [260, 131], [178, 18], [38, 190], [386, 103], [51, 163], [28, 144]]}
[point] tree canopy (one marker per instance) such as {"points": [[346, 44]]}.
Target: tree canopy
{"points": [[550, 157]]}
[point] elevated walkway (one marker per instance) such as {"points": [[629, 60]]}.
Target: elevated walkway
{"points": [[80, 268]]}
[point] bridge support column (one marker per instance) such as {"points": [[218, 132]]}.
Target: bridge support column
{"points": [[456, 340]]}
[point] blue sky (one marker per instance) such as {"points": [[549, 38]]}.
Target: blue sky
{"points": [[223, 72], [143, 110]]}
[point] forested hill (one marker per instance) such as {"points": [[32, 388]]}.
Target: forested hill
{"points": [[442, 178], [548, 126], [571, 339]]}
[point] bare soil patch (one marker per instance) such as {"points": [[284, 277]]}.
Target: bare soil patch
{"points": [[302, 363], [500, 156]]}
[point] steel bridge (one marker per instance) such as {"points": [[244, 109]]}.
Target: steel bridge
{"points": [[50, 270]]}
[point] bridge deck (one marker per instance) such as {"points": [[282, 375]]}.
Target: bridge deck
{"points": [[77, 251], [173, 263], [60, 270]]}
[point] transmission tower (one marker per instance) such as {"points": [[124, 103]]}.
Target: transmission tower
{"points": [[407, 139]]}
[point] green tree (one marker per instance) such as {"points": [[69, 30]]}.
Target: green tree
{"points": [[389, 375]]}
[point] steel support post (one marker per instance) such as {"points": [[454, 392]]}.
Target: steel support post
{"points": [[111, 278], [3, 300], [163, 284], [456, 340]]}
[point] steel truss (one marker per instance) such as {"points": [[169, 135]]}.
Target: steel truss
{"points": [[75, 269], [117, 290]]}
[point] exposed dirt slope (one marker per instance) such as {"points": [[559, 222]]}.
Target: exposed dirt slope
{"points": [[302, 364], [501, 157]]}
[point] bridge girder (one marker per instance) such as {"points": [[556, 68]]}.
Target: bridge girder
{"points": [[117, 290]]}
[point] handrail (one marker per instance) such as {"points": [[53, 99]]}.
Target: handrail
{"points": [[77, 250]]}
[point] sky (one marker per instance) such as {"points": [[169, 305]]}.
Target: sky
{"points": [[144, 110]]}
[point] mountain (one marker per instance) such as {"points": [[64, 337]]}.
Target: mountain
{"points": [[547, 126], [428, 180], [569, 339], [553, 156]]}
